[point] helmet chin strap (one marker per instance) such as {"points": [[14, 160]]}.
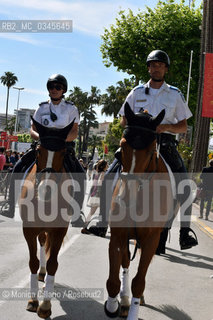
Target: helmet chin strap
{"points": [[56, 99], [157, 80]]}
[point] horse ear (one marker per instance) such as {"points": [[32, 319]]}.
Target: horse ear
{"points": [[157, 120], [63, 133], [129, 114], [39, 127]]}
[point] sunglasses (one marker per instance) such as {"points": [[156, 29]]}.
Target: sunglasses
{"points": [[52, 86]]}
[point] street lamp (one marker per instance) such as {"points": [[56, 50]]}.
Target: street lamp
{"points": [[19, 89]]}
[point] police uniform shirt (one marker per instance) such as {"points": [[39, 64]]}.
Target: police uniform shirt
{"points": [[65, 111], [167, 97]]}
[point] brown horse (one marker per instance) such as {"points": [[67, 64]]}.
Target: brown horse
{"points": [[140, 207], [45, 211]]}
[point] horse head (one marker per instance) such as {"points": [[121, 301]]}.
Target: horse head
{"points": [[52, 139], [50, 155], [140, 130]]}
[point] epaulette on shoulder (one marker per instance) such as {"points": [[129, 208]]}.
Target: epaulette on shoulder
{"points": [[140, 86], [174, 88], [69, 102], [45, 102]]}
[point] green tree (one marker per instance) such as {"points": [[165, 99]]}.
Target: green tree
{"points": [[112, 100], [94, 142], [172, 27], [79, 98], [85, 102], [114, 135], [25, 137], [10, 125], [8, 79]]}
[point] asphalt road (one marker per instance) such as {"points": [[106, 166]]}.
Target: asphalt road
{"points": [[178, 284]]}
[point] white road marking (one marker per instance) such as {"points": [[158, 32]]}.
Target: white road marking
{"points": [[23, 283]]}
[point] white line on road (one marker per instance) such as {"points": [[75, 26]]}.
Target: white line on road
{"points": [[23, 283]]}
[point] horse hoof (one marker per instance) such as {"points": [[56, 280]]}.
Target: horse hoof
{"points": [[124, 311], [41, 277], [112, 314], [44, 314], [142, 301], [32, 306]]}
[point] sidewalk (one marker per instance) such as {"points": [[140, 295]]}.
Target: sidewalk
{"points": [[205, 225]]}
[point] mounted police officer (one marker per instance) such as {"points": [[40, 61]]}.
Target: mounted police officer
{"points": [[155, 96], [56, 113]]}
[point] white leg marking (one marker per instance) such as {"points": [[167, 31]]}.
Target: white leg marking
{"points": [[125, 289], [112, 304], [49, 287], [33, 286], [134, 309], [42, 257]]}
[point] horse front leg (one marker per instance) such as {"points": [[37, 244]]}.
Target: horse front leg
{"points": [[53, 242], [31, 239], [138, 283], [42, 270], [125, 286], [112, 306]]}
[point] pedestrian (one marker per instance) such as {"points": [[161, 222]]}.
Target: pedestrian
{"points": [[2, 158], [81, 161], [90, 168], [55, 113], [8, 164], [94, 196], [207, 189], [155, 96]]}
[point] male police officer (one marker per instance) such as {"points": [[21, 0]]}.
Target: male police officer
{"points": [[155, 96]]}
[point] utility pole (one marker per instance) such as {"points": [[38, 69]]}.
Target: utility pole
{"points": [[201, 138]]}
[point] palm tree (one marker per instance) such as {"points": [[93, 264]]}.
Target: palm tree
{"points": [[115, 96], [93, 142], [8, 79], [85, 102]]}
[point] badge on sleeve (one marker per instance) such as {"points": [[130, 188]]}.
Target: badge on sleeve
{"points": [[46, 122]]}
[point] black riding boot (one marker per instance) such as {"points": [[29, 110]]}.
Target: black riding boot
{"points": [[161, 249]]}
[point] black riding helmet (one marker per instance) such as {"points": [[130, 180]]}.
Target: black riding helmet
{"points": [[58, 78], [158, 55]]}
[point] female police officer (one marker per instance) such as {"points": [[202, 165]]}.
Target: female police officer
{"points": [[56, 113]]}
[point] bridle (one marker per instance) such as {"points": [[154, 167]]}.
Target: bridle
{"points": [[133, 176], [125, 176]]}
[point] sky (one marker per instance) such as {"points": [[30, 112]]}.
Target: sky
{"points": [[33, 57]]}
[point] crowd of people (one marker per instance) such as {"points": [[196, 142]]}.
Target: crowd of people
{"points": [[8, 158]]}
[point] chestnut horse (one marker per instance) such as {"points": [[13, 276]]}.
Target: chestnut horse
{"points": [[140, 208], [46, 211]]}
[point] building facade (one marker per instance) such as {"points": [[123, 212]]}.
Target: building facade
{"points": [[101, 131], [24, 119]]}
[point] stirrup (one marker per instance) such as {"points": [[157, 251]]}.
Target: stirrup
{"points": [[190, 241]]}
